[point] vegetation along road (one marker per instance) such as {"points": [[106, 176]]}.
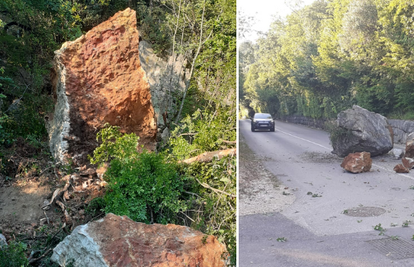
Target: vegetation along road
{"points": [[298, 207]]}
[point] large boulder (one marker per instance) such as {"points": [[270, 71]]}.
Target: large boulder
{"points": [[118, 241], [98, 79], [357, 162], [166, 76], [360, 130], [409, 146]]}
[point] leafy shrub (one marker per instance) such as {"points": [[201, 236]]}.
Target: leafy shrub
{"points": [[214, 199], [13, 255], [142, 186], [201, 132]]}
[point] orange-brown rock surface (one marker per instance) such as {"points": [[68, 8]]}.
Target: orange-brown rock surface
{"points": [[409, 146], [357, 162], [118, 241], [408, 163], [400, 168], [98, 79]]}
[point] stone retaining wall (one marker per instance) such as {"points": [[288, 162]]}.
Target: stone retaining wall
{"points": [[401, 128], [314, 123]]}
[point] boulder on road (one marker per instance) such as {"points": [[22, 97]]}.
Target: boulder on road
{"points": [[359, 130], [409, 146], [357, 162], [118, 241], [408, 163], [400, 168]]}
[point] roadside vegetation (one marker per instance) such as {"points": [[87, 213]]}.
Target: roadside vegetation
{"points": [[327, 56], [200, 195]]}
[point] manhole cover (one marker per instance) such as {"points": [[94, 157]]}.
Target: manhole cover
{"points": [[395, 249], [364, 211]]}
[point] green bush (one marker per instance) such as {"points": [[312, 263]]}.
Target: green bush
{"points": [[13, 255], [215, 202], [142, 186], [202, 132]]}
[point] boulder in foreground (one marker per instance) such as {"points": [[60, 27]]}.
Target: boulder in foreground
{"points": [[118, 241], [357, 162]]}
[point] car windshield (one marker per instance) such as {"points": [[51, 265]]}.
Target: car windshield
{"points": [[262, 116]]}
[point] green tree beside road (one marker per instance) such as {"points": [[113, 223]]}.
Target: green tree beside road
{"points": [[331, 54]]}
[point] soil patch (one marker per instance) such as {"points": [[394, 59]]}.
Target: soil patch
{"points": [[23, 203], [28, 180]]}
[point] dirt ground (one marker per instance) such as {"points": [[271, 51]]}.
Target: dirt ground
{"points": [[29, 181], [259, 190]]}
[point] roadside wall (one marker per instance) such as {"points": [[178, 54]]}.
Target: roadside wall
{"points": [[314, 123], [401, 128]]}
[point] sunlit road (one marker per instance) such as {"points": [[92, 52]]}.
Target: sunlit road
{"points": [[331, 221]]}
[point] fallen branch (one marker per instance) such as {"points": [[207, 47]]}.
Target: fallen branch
{"points": [[47, 249], [214, 189], [39, 258], [228, 142], [209, 156]]}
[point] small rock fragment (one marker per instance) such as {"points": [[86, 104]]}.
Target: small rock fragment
{"points": [[401, 169]]}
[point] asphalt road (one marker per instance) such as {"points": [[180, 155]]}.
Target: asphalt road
{"points": [[331, 222]]}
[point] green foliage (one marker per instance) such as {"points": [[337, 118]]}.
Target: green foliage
{"points": [[146, 189], [96, 206], [114, 145], [13, 255], [202, 132], [143, 185], [330, 55], [214, 211]]}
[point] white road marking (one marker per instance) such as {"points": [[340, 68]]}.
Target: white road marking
{"points": [[328, 148], [303, 139]]}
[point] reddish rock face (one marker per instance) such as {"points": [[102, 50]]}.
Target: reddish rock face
{"points": [[408, 163], [357, 162], [99, 76], [409, 146], [118, 241], [400, 168]]}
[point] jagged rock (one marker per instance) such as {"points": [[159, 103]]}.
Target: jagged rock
{"points": [[401, 129], [361, 130], [400, 168], [409, 146], [3, 241], [165, 135], [357, 162], [166, 77], [98, 78], [408, 163], [118, 241], [397, 153]]}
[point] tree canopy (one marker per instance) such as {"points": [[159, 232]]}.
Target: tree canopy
{"points": [[331, 54]]}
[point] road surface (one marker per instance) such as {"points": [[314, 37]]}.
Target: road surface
{"points": [[326, 214]]}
